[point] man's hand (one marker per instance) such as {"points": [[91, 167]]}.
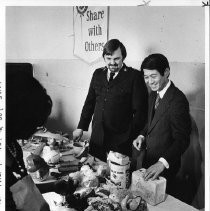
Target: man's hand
{"points": [[77, 134], [154, 171], [138, 142]]}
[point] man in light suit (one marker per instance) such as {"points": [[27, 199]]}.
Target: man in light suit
{"points": [[167, 133], [117, 101]]}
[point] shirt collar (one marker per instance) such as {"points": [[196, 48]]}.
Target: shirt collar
{"points": [[163, 91], [116, 73]]}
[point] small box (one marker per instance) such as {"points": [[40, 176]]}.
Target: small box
{"points": [[153, 192]]}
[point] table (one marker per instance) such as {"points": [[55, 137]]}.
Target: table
{"points": [[170, 203]]}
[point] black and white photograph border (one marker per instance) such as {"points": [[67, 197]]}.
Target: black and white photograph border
{"points": [[189, 51]]}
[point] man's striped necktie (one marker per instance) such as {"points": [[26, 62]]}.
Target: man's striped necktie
{"points": [[157, 101]]}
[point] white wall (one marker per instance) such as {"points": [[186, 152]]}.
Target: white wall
{"points": [[44, 37], [177, 32], [47, 32]]}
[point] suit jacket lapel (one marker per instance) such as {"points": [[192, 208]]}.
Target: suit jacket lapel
{"points": [[104, 76], [162, 107], [151, 106]]}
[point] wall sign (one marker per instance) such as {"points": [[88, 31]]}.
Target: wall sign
{"points": [[90, 32]]}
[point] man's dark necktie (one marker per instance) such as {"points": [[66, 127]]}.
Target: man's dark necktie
{"points": [[111, 76], [157, 101]]}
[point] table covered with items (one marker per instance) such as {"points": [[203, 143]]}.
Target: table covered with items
{"points": [[99, 185]]}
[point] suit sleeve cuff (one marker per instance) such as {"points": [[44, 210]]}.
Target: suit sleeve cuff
{"points": [[141, 136], [165, 163]]}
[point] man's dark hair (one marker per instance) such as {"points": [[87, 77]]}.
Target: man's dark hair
{"points": [[155, 62], [27, 106], [113, 45]]}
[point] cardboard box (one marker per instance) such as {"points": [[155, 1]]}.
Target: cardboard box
{"points": [[153, 192]]}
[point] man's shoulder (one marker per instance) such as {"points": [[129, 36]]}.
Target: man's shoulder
{"points": [[131, 69], [177, 90], [99, 70], [177, 93], [133, 72]]}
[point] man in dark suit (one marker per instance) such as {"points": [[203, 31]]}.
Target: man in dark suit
{"points": [[117, 100], [167, 133]]}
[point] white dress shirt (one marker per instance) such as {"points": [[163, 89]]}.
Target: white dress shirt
{"points": [[116, 73], [108, 74]]}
